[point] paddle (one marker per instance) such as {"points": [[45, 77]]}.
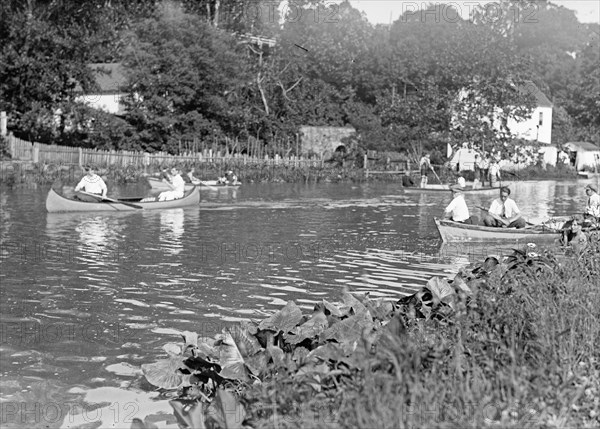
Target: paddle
{"points": [[100, 197], [435, 174]]}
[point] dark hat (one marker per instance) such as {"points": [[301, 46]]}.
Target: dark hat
{"points": [[590, 187], [456, 188]]}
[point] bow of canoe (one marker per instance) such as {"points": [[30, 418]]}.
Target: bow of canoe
{"points": [[56, 203]]}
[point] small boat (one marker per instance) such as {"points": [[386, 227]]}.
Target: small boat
{"points": [[588, 174], [161, 185], [217, 184], [454, 231], [57, 203], [437, 189]]}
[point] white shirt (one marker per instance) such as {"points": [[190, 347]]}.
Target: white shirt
{"points": [[178, 183], [458, 208], [510, 207], [593, 205], [93, 185]]}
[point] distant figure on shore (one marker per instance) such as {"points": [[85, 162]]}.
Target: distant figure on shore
{"points": [[425, 166], [503, 212], [477, 171], [484, 168], [494, 173], [92, 184]]}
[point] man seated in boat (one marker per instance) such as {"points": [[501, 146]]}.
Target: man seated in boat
{"points": [[503, 212], [178, 185], [190, 178], [231, 179], [592, 208], [457, 210], [92, 184]]}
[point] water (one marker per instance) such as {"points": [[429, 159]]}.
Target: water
{"points": [[88, 297]]}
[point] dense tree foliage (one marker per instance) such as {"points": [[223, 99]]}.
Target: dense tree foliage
{"points": [[430, 78]]}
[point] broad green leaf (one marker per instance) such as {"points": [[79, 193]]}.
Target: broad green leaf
{"points": [[165, 373], [231, 360], [227, 410], [310, 329], [284, 320]]}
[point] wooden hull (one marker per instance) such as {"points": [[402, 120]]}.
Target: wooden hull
{"points": [[439, 189], [56, 203], [588, 174], [160, 185], [215, 184], [453, 231]]}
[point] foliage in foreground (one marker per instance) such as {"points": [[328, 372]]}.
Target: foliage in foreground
{"points": [[506, 343]]}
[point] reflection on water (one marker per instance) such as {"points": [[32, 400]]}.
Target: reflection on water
{"points": [[112, 288], [171, 230]]}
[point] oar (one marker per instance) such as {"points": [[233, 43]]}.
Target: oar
{"points": [[100, 197]]}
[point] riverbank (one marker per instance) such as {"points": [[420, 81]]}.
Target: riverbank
{"points": [[508, 343], [23, 173]]}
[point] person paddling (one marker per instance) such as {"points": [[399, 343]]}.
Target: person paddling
{"points": [[425, 166], [92, 184], [503, 212]]}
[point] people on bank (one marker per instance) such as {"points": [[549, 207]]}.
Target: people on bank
{"points": [[425, 166], [504, 213], [92, 184]]}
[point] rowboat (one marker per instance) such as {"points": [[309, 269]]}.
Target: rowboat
{"points": [[454, 231], [588, 174], [438, 189], [57, 203]]}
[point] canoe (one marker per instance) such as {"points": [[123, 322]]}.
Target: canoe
{"points": [[588, 174], [454, 231], [439, 189], [57, 203], [216, 184], [161, 185]]}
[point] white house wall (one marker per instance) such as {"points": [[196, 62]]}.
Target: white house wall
{"points": [[107, 102], [528, 128]]}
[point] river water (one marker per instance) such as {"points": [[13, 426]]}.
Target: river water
{"points": [[88, 297]]}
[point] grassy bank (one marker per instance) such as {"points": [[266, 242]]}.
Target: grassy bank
{"points": [[14, 173], [509, 343]]}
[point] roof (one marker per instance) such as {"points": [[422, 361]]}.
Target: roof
{"points": [[110, 77], [531, 88], [583, 145]]}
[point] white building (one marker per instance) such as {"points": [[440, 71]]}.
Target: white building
{"points": [[538, 125], [112, 82]]}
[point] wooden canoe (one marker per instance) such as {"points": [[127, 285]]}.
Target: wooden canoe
{"points": [[454, 231], [216, 184], [439, 189], [161, 185], [57, 203]]}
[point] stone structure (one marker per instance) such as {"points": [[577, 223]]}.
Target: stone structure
{"points": [[324, 141]]}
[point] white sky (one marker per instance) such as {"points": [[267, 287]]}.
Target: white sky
{"points": [[384, 11]]}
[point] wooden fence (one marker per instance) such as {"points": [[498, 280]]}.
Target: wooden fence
{"points": [[22, 150]]}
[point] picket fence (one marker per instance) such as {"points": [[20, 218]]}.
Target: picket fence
{"points": [[21, 150]]}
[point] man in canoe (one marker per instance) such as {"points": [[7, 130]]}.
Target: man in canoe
{"points": [[178, 185], [457, 210], [592, 208], [92, 184], [503, 212]]}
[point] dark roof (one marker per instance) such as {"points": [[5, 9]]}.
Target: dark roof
{"points": [[531, 88], [110, 77], [583, 145]]}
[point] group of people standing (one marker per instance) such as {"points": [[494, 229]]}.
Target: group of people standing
{"points": [[486, 169]]}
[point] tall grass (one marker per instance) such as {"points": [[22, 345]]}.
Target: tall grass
{"points": [[522, 352]]}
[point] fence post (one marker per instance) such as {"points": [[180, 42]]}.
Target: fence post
{"points": [[365, 166], [3, 124], [80, 153], [35, 153], [12, 140]]}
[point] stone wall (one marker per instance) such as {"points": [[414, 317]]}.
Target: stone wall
{"points": [[323, 141]]}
